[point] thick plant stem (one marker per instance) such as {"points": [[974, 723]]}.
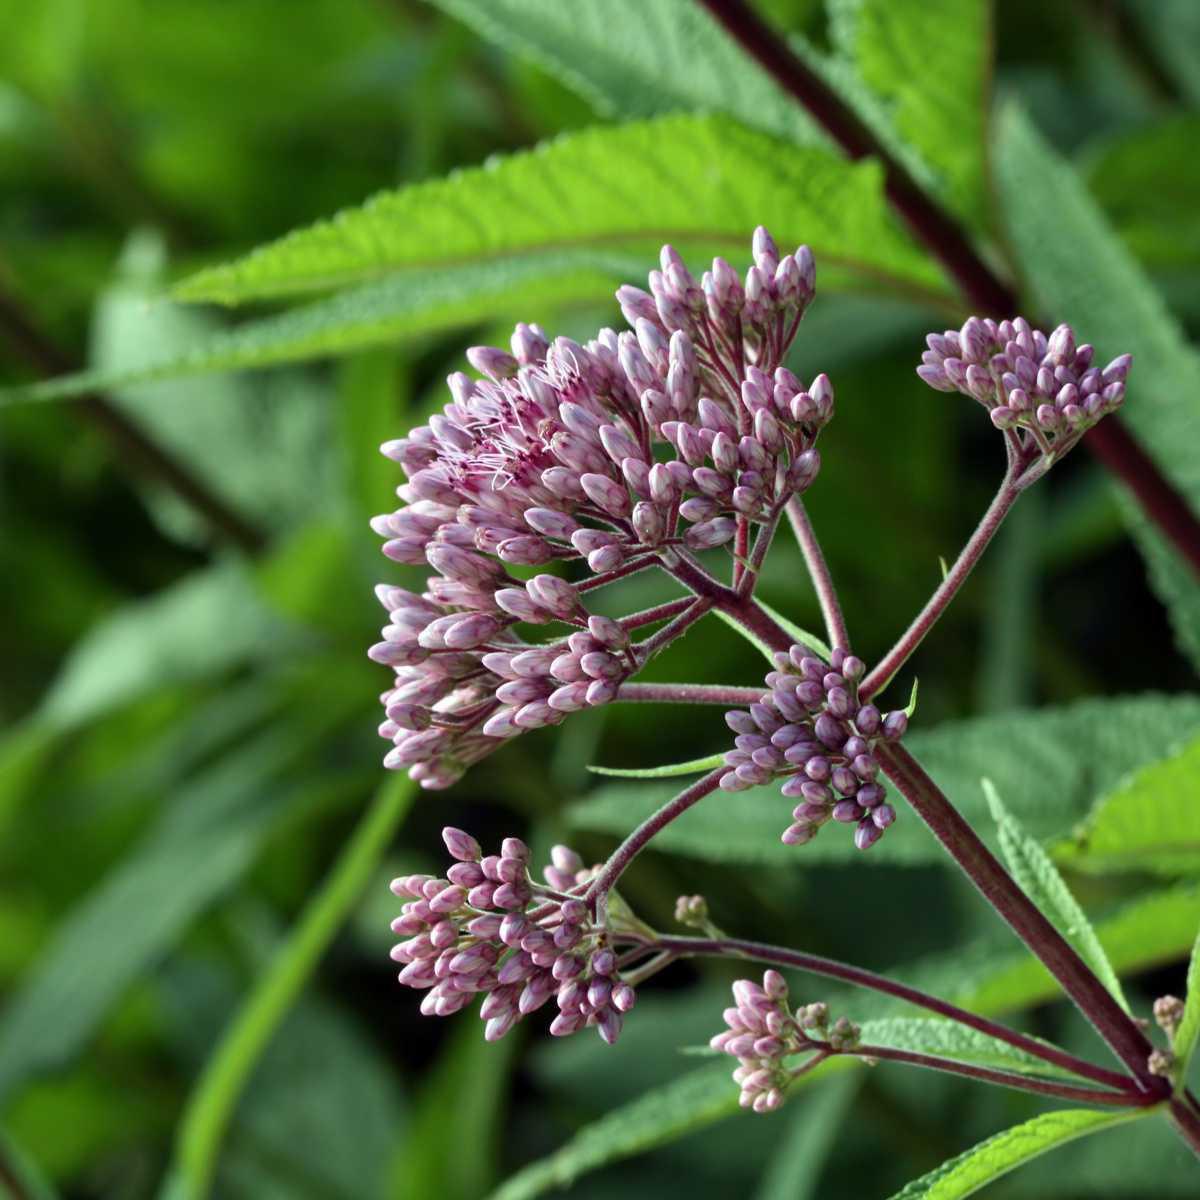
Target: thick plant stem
{"points": [[629, 849], [1011, 1079], [215, 1097], [1186, 1122], [1000, 890], [925, 620], [829, 968], [741, 609], [1110, 440], [687, 693], [818, 570]]}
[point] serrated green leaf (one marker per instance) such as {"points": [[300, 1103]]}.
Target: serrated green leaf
{"points": [[1039, 879], [376, 314], [1055, 226], [1188, 1033], [927, 68], [698, 181], [630, 58], [662, 1115], [1151, 822], [947, 1039], [982, 1164], [684, 768], [1051, 765]]}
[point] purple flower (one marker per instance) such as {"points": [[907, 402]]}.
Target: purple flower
{"points": [[811, 731], [1042, 386], [489, 929], [583, 459], [762, 1033]]}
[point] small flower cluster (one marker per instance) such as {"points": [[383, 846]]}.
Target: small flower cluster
{"points": [[811, 731], [1043, 384], [487, 928], [763, 1032], [606, 455]]}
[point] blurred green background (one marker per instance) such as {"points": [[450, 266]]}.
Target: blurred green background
{"points": [[188, 711]]}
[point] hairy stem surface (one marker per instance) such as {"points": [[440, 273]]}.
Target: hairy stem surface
{"points": [[818, 570]]}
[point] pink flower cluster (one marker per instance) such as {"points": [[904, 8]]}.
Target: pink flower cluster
{"points": [[763, 1032], [811, 731], [608, 456], [487, 928], [1028, 380]]}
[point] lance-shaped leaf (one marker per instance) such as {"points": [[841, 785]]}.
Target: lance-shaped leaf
{"points": [[702, 182], [982, 1164], [1039, 879], [694, 767], [1188, 1033]]}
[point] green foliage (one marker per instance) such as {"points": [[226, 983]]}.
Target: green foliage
{"points": [[987, 1162], [1050, 767], [1188, 1033], [1151, 822], [625, 186], [925, 1035], [398, 308], [926, 72], [1038, 878], [1054, 226], [684, 768], [633, 59]]}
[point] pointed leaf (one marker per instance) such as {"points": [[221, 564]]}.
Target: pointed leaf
{"points": [[684, 768], [1188, 1033], [1040, 881], [699, 181], [1150, 823], [375, 314], [982, 1164]]}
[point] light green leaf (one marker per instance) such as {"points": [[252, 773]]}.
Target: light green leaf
{"points": [[690, 1102], [1150, 823], [1148, 932], [1040, 881], [1051, 766], [982, 1164], [1080, 271], [684, 768], [211, 834], [698, 181], [208, 622], [640, 58], [926, 72], [947, 1039], [398, 307], [1186, 1036]]}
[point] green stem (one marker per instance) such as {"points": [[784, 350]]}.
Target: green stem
{"points": [[215, 1096]]}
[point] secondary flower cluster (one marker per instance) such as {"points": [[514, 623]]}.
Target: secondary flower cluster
{"points": [[608, 455], [811, 731], [488, 928], [763, 1032], [1043, 384]]}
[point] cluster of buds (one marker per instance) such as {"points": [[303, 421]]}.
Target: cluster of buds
{"points": [[488, 928], [763, 1033], [600, 457], [1044, 385], [811, 731]]}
